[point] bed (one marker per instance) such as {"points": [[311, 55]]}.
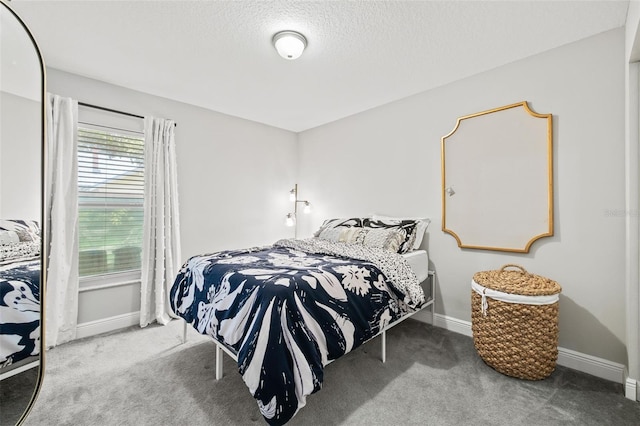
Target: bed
{"points": [[285, 311], [19, 296]]}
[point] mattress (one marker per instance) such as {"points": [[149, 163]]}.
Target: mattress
{"points": [[418, 261]]}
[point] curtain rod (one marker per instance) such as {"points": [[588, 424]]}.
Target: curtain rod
{"points": [[114, 111]]}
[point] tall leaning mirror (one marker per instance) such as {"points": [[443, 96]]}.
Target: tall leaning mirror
{"points": [[21, 218]]}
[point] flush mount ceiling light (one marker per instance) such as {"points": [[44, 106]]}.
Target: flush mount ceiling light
{"points": [[289, 44]]}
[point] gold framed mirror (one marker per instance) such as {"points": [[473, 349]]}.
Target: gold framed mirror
{"points": [[497, 179], [22, 247]]}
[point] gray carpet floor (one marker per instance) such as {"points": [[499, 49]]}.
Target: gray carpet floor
{"points": [[432, 377]]}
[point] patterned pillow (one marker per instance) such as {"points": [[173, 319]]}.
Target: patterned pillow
{"points": [[343, 234], [337, 223], [23, 250], [27, 230], [8, 237], [407, 228], [388, 239], [422, 223], [19, 240], [331, 234]]}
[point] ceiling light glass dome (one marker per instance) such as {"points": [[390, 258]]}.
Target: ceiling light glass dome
{"points": [[289, 44]]}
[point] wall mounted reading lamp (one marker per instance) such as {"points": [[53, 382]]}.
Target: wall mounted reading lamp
{"points": [[291, 217]]}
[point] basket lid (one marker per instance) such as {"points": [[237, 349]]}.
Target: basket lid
{"points": [[517, 282]]}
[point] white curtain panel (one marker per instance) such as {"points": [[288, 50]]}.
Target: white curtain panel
{"points": [[161, 255], [61, 186]]}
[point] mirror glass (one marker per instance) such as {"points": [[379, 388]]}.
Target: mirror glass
{"points": [[497, 175], [21, 147]]}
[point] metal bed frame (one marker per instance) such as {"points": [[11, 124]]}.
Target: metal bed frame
{"points": [[17, 368], [430, 280]]}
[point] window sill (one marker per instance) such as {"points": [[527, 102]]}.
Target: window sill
{"points": [[101, 282]]}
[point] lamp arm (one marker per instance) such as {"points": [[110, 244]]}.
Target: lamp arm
{"points": [[295, 209]]}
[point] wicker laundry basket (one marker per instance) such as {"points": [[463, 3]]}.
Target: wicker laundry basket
{"points": [[514, 319]]}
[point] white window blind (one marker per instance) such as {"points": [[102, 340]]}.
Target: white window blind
{"points": [[110, 199]]}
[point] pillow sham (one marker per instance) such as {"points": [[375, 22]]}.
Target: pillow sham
{"points": [[422, 225], [8, 237], [19, 240], [387, 239], [336, 223], [27, 230], [407, 228], [331, 234], [22, 250]]}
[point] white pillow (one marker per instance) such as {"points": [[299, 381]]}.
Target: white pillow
{"points": [[423, 223]]}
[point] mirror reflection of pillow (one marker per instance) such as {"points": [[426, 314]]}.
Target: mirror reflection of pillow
{"points": [[8, 237], [22, 250], [27, 230]]}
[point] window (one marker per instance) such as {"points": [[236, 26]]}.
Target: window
{"points": [[110, 200]]}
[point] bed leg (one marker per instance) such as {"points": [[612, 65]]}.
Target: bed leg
{"points": [[219, 359], [384, 346], [432, 276], [184, 332]]}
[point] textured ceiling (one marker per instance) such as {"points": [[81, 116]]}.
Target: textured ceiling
{"points": [[360, 54]]}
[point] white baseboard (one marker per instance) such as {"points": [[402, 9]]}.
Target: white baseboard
{"points": [[631, 389], [423, 316], [595, 366], [453, 324], [105, 325]]}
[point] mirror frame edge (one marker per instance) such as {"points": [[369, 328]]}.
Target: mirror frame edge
{"points": [[43, 224]]}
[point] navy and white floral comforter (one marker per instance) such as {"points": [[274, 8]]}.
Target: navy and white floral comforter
{"points": [[19, 311], [289, 309]]}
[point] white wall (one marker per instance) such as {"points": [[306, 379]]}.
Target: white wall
{"points": [[632, 109], [20, 157], [387, 160], [233, 178]]}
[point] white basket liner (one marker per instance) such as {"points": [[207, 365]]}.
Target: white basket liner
{"points": [[511, 298]]}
